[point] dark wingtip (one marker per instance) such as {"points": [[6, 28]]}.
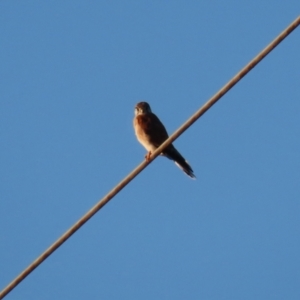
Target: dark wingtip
{"points": [[190, 174], [186, 169]]}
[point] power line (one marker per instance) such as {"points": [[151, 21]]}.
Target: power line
{"points": [[143, 165]]}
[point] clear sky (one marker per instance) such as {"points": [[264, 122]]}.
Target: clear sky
{"points": [[71, 73]]}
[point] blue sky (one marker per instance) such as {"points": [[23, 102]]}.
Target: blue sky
{"points": [[71, 73]]}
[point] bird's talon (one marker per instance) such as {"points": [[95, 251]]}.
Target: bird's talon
{"points": [[147, 156]]}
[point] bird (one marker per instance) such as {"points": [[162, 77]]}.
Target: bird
{"points": [[151, 133]]}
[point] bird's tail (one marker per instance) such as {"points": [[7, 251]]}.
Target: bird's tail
{"points": [[179, 160], [186, 168]]}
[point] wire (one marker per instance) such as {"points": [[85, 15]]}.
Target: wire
{"points": [[144, 164]]}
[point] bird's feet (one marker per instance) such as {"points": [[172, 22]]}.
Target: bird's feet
{"points": [[147, 156]]}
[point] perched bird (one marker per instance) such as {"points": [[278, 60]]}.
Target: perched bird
{"points": [[151, 133]]}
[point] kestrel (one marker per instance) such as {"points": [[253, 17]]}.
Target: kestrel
{"points": [[151, 133]]}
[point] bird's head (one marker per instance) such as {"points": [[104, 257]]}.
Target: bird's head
{"points": [[142, 108]]}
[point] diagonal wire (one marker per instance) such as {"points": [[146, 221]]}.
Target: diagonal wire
{"points": [[144, 164]]}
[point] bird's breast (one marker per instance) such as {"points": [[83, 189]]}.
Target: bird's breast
{"points": [[141, 134]]}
